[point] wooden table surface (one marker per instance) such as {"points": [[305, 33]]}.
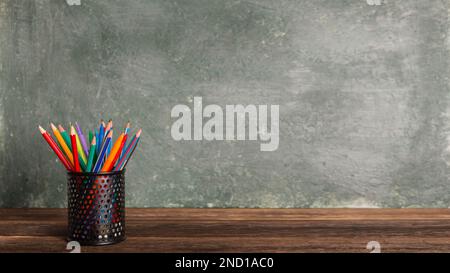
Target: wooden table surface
{"points": [[241, 230]]}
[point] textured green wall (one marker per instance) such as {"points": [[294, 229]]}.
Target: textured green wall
{"points": [[363, 94]]}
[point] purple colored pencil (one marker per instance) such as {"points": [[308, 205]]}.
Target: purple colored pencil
{"points": [[82, 139]]}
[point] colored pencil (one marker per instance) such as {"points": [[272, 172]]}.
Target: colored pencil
{"points": [[114, 151], [73, 139], [96, 144], [69, 143], [101, 156], [109, 128], [65, 136], [108, 149], [129, 152], [82, 139], [91, 136], [55, 148], [120, 151], [127, 129], [125, 148], [91, 155], [80, 149], [96, 134], [62, 143], [101, 134]]}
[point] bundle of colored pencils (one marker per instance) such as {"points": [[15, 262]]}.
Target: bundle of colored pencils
{"points": [[101, 155]]}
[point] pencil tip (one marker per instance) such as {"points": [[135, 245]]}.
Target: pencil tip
{"points": [[138, 134], [41, 129], [53, 126], [93, 141]]}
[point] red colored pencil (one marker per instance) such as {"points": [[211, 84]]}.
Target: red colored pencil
{"points": [[73, 139], [55, 148]]}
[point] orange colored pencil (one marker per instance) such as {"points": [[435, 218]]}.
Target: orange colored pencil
{"points": [[55, 148], [73, 139], [109, 161], [120, 151], [62, 143]]}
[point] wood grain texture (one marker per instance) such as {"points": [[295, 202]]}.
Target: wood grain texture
{"points": [[241, 230]]}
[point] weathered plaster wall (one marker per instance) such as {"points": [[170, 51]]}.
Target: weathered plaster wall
{"points": [[363, 93]]}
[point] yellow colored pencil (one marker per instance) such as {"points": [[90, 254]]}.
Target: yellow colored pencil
{"points": [[62, 143], [80, 149], [115, 149]]}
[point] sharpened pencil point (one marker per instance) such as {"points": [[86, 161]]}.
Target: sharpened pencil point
{"points": [[93, 141], [108, 126], [41, 129], [138, 134], [127, 128], [53, 126], [72, 131]]}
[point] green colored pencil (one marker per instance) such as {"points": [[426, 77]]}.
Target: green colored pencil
{"points": [[90, 136], [65, 136], [82, 164], [91, 154]]}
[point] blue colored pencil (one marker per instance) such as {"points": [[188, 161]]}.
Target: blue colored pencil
{"points": [[101, 132], [127, 129], [108, 150], [97, 138], [101, 157], [108, 129]]}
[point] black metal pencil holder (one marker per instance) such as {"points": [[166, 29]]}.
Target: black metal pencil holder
{"points": [[96, 207]]}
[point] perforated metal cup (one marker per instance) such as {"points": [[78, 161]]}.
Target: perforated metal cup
{"points": [[96, 207]]}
